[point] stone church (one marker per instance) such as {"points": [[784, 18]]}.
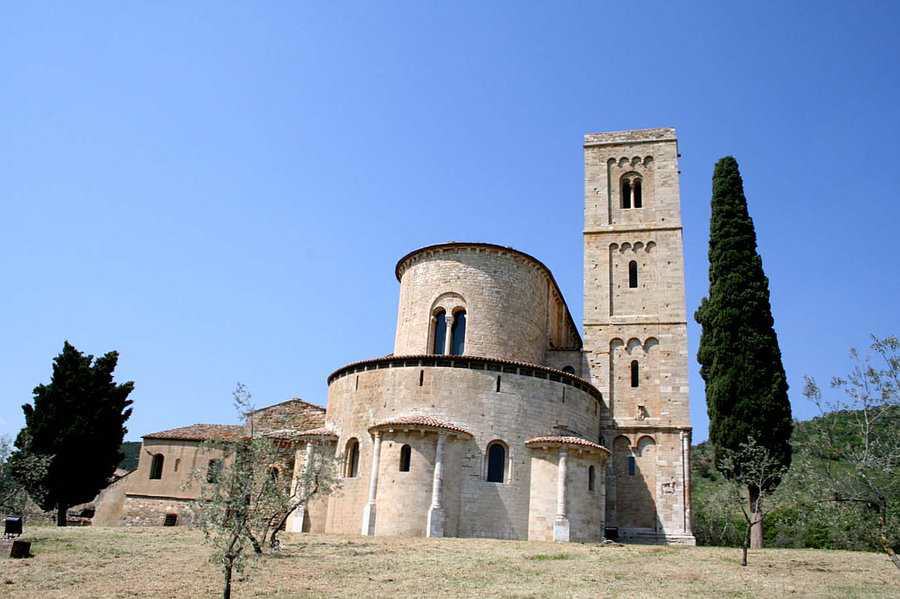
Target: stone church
{"points": [[493, 416]]}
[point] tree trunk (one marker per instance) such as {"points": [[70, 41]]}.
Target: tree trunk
{"points": [[882, 520], [747, 534], [257, 548], [226, 591], [61, 513], [756, 525]]}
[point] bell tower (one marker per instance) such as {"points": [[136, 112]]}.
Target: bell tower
{"points": [[635, 328]]}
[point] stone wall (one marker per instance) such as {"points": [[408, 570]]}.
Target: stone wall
{"points": [[291, 414], [181, 459], [110, 502], [513, 308], [523, 408], [645, 325], [585, 507], [141, 510]]}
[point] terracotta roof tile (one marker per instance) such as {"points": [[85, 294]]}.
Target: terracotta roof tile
{"points": [[201, 432], [421, 421], [556, 440], [295, 434]]}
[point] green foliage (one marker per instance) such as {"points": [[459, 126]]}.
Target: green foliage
{"points": [[13, 494], [544, 557], [799, 517], [130, 454], [77, 425], [854, 448], [740, 361]]}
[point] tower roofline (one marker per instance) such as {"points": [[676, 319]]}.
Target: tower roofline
{"points": [[630, 136]]}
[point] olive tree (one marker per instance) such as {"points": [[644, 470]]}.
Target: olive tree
{"points": [[246, 498], [858, 458]]}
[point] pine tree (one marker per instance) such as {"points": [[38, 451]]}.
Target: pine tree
{"points": [[740, 361], [77, 422]]}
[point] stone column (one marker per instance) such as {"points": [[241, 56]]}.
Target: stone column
{"points": [[368, 520], [561, 524], [447, 339], [436, 511], [432, 333], [295, 520], [686, 478]]}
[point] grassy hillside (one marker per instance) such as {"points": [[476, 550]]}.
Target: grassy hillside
{"points": [[91, 562], [800, 518]]}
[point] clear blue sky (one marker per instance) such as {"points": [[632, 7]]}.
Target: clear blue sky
{"points": [[220, 191]]}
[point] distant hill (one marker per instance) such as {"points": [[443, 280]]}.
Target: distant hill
{"points": [[805, 522], [131, 451]]}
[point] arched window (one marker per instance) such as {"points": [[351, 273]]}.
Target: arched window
{"points": [[636, 187], [213, 471], [635, 374], [440, 332], [458, 333], [632, 274], [569, 370], [626, 193], [496, 458], [177, 463], [156, 466], [351, 461], [632, 465], [591, 478], [405, 458]]}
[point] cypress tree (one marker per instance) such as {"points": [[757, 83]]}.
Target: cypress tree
{"points": [[740, 361], [77, 422]]}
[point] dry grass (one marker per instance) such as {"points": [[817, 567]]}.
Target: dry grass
{"points": [[172, 562]]}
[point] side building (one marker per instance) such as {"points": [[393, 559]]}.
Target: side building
{"points": [[173, 463]]}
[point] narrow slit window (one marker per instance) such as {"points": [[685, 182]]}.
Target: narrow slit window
{"points": [[632, 465], [156, 466], [440, 333], [405, 458], [421, 377], [458, 333], [496, 469], [636, 191], [635, 374], [351, 466], [591, 475], [632, 274], [498, 383], [626, 193]]}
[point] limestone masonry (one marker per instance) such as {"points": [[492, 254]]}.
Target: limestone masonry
{"points": [[493, 417]]}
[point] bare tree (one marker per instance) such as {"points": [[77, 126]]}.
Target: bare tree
{"points": [[859, 463], [752, 466]]}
